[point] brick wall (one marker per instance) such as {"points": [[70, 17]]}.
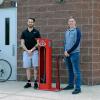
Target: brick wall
{"points": [[51, 20], [96, 43]]}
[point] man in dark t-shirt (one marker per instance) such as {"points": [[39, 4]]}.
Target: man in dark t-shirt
{"points": [[30, 53]]}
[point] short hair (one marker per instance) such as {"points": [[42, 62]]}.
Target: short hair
{"points": [[71, 17], [32, 19]]}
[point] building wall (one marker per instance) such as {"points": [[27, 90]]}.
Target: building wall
{"points": [[51, 20], [96, 43], [6, 3]]}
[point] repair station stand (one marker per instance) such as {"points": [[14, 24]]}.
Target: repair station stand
{"points": [[45, 66]]}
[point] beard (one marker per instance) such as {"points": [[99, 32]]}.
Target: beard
{"points": [[30, 26]]}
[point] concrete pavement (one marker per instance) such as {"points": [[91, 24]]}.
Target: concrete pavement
{"points": [[13, 90]]}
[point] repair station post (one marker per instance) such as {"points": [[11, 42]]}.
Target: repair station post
{"points": [[45, 66]]}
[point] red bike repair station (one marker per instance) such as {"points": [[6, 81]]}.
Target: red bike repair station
{"points": [[45, 66]]}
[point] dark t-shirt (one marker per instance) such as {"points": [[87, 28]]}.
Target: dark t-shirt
{"points": [[30, 38]]}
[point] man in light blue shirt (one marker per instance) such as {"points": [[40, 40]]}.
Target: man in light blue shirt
{"points": [[72, 56]]}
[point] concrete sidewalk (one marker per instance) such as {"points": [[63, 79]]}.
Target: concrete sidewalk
{"points": [[13, 90]]}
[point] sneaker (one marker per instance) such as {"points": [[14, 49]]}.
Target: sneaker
{"points": [[69, 87], [35, 85], [27, 85], [76, 91]]}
